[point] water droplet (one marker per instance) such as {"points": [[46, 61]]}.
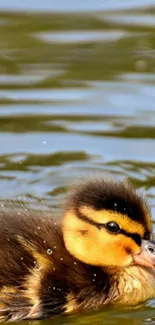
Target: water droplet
{"points": [[55, 247], [44, 142], [53, 288], [38, 267], [61, 258], [93, 280], [75, 263], [53, 268], [94, 274], [8, 239], [49, 251], [38, 228], [18, 213], [44, 241], [115, 205], [2, 205], [25, 209], [55, 223], [22, 258]]}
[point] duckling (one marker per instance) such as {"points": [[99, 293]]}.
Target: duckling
{"points": [[100, 253]]}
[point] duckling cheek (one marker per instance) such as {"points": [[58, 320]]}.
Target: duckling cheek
{"points": [[122, 251], [124, 257], [132, 249], [116, 256]]}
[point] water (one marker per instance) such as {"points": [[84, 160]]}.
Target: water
{"points": [[77, 96]]}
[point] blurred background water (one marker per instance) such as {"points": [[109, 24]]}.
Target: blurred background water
{"points": [[77, 97]]}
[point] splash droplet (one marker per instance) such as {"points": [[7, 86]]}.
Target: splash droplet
{"points": [[49, 251], [38, 267]]}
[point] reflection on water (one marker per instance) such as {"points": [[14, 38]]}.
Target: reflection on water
{"points": [[77, 96], [81, 36]]}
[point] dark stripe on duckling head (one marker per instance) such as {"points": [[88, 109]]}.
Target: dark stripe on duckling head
{"points": [[136, 237], [119, 197]]}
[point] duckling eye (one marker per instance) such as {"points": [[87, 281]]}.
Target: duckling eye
{"points": [[112, 227]]}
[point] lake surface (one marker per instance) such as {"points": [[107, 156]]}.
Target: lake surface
{"points": [[77, 97]]}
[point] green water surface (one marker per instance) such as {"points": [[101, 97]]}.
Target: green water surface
{"points": [[77, 97]]}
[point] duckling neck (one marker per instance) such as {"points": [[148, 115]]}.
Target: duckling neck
{"points": [[96, 287], [136, 284], [91, 288]]}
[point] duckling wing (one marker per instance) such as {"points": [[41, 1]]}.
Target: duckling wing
{"points": [[13, 305], [27, 242]]}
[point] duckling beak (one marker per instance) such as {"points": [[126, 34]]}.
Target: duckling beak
{"points": [[146, 257]]}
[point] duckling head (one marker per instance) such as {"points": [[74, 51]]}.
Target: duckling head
{"points": [[107, 224]]}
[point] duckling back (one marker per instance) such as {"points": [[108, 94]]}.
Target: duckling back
{"points": [[31, 248]]}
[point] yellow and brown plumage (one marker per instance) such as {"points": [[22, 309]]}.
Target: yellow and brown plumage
{"points": [[101, 253]]}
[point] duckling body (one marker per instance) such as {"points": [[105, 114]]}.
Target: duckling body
{"points": [[39, 277], [49, 269]]}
